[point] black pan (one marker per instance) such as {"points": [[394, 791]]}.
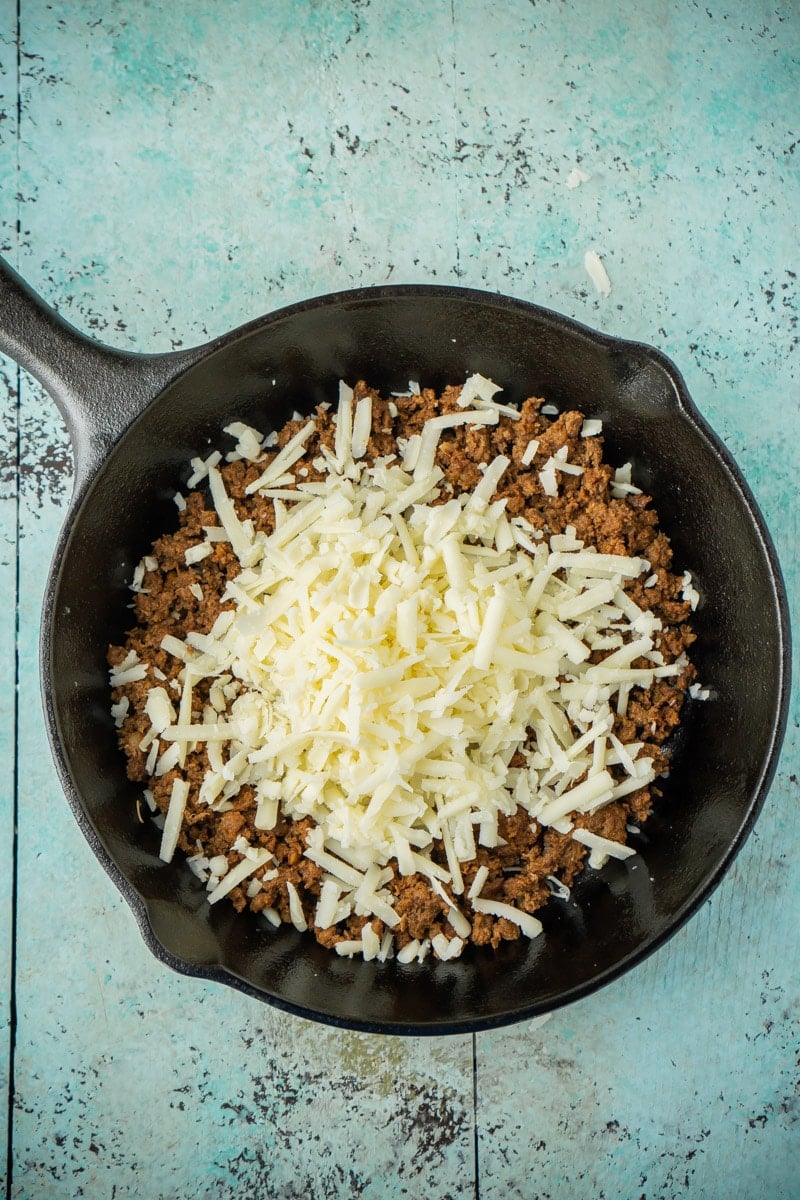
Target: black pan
{"points": [[135, 421]]}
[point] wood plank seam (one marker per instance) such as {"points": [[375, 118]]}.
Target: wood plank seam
{"points": [[12, 1013], [12, 982]]}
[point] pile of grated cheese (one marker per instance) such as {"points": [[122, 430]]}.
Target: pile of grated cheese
{"points": [[390, 650]]}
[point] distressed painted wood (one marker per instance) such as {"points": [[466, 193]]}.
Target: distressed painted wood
{"points": [[300, 1110], [8, 582], [182, 169], [8, 578], [8, 714]]}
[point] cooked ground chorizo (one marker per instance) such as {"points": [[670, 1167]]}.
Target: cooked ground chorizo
{"points": [[520, 861]]}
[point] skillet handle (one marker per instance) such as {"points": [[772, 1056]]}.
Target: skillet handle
{"points": [[98, 390]]}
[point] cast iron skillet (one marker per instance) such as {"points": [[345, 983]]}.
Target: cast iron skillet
{"points": [[136, 420]]}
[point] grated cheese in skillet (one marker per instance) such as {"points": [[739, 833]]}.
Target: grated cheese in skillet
{"points": [[385, 659]]}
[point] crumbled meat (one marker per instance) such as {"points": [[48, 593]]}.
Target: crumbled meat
{"points": [[529, 855]]}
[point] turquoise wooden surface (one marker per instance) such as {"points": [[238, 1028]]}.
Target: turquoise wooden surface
{"points": [[180, 168], [8, 577]]}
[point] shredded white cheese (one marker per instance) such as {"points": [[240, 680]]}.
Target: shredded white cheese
{"points": [[690, 593], [248, 445], [576, 177], [196, 554], [119, 711], [131, 674], [201, 468], [172, 825], [236, 875], [602, 848], [597, 272], [621, 485], [384, 660]]}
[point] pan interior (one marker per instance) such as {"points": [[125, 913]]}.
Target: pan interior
{"points": [[291, 361]]}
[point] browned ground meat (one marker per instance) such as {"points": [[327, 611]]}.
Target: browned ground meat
{"points": [[519, 869]]}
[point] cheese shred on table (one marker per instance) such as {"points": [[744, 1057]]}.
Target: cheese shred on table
{"points": [[404, 667]]}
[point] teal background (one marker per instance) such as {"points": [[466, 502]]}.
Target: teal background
{"points": [[169, 170]]}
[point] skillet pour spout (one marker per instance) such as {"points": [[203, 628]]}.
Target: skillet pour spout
{"points": [[136, 420]]}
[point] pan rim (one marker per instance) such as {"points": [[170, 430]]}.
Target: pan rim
{"points": [[687, 411]]}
